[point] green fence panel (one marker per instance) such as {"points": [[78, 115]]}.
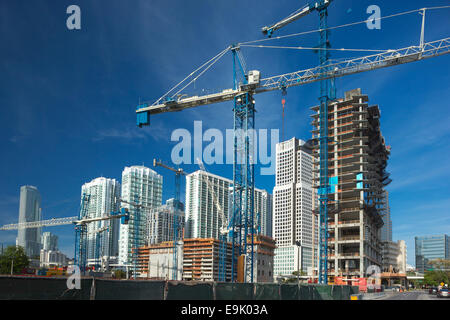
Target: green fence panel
{"points": [[354, 290], [269, 291], [336, 292], [346, 292], [190, 291], [129, 290], [5, 288], [234, 291], [289, 292], [305, 293], [322, 292], [29, 288], [84, 293], [47, 289]]}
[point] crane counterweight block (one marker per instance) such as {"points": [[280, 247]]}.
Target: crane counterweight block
{"points": [[143, 117]]}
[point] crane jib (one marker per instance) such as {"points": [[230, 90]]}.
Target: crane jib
{"points": [[347, 67]]}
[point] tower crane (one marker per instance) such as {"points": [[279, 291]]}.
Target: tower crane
{"points": [[242, 95], [98, 253], [327, 93], [176, 223]]}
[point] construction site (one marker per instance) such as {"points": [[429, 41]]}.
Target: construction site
{"points": [[212, 247], [200, 260]]}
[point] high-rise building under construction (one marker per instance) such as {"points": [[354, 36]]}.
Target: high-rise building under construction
{"points": [[357, 160]]}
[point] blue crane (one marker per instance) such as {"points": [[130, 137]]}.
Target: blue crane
{"points": [[327, 93], [242, 93]]}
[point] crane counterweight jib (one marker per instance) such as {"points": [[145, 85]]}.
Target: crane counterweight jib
{"points": [[317, 5]]}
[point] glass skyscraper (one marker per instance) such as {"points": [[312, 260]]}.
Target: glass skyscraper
{"points": [[30, 211], [430, 248]]}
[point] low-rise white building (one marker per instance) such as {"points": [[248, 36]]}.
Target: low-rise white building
{"points": [[157, 261], [50, 258]]}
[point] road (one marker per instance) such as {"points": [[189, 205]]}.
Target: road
{"points": [[412, 295]]}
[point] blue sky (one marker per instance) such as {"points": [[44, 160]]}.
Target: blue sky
{"points": [[68, 97]]}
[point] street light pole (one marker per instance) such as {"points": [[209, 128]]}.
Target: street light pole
{"points": [[12, 261]]}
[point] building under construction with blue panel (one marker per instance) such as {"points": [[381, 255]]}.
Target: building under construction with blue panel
{"points": [[357, 169]]}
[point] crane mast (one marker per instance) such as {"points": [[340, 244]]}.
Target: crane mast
{"points": [[327, 93]]}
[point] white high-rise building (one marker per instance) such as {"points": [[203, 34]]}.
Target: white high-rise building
{"points": [[49, 241], [143, 186], [293, 197], [263, 211], [30, 211], [103, 199], [161, 221], [202, 217]]}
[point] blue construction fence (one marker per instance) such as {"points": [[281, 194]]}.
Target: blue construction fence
{"points": [[34, 288]]}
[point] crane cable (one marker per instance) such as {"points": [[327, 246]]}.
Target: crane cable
{"points": [[212, 61], [206, 69], [344, 25]]}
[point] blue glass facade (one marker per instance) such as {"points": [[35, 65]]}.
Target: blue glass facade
{"points": [[429, 248]]}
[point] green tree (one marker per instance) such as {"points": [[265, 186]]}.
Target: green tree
{"points": [[441, 264], [119, 274], [14, 256], [435, 277]]}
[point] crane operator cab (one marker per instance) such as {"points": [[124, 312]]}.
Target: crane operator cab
{"points": [[253, 79]]}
